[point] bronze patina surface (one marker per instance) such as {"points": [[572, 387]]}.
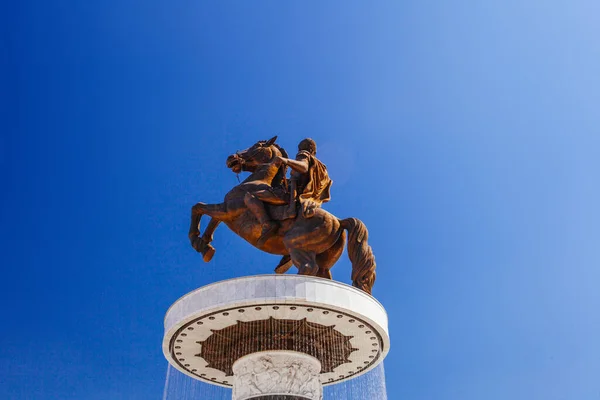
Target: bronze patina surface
{"points": [[284, 217], [227, 345]]}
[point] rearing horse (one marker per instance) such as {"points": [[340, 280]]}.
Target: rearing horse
{"points": [[312, 244]]}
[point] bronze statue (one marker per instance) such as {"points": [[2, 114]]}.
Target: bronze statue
{"points": [[287, 221]]}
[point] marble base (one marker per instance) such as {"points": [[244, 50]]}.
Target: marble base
{"points": [[354, 320]]}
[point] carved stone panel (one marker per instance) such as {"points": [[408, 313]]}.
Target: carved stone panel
{"points": [[277, 373]]}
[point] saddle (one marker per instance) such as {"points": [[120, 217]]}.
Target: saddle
{"points": [[280, 213]]}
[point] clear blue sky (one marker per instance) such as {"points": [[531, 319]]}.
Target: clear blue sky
{"points": [[466, 135]]}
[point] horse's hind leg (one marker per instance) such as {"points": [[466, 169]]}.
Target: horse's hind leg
{"points": [[305, 261], [329, 257], [324, 273]]}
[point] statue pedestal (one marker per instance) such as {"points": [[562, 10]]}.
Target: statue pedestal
{"points": [[277, 337]]}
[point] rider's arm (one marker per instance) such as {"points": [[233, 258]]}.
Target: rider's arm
{"points": [[300, 166]]}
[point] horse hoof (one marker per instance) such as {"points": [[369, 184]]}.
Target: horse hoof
{"points": [[208, 253], [282, 269]]}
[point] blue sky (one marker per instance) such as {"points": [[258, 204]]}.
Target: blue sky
{"points": [[464, 134]]}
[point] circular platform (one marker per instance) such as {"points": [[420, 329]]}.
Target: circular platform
{"points": [[209, 329]]}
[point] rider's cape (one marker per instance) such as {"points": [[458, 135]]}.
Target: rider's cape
{"points": [[318, 185]]}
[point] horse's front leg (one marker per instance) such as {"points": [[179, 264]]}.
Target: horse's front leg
{"points": [[207, 237], [202, 244], [194, 231]]}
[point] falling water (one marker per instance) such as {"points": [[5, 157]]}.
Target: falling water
{"points": [[368, 386], [231, 343], [181, 387]]}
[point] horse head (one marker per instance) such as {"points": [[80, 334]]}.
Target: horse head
{"points": [[261, 153]]}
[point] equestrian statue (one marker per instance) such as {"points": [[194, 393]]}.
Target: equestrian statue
{"points": [[285, 217]]}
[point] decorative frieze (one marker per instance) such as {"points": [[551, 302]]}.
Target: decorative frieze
{"points": [[277, 373]]}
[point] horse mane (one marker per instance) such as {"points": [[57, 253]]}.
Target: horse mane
{"points": [[280, 179]]}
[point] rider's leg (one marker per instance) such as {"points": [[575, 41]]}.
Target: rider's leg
{"points": [[255, 203], [257, 207], [267, 196]]}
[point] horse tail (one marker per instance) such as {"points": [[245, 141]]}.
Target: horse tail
{"points": [[360, 254]]}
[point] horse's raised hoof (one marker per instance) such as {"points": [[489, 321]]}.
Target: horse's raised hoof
{"points": [[208, 253]]}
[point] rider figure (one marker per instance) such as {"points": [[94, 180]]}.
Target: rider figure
{"points": [[310, 181], [310, 186]]}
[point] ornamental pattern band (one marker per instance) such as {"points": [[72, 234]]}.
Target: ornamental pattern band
{"points": [[227, 345]]}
